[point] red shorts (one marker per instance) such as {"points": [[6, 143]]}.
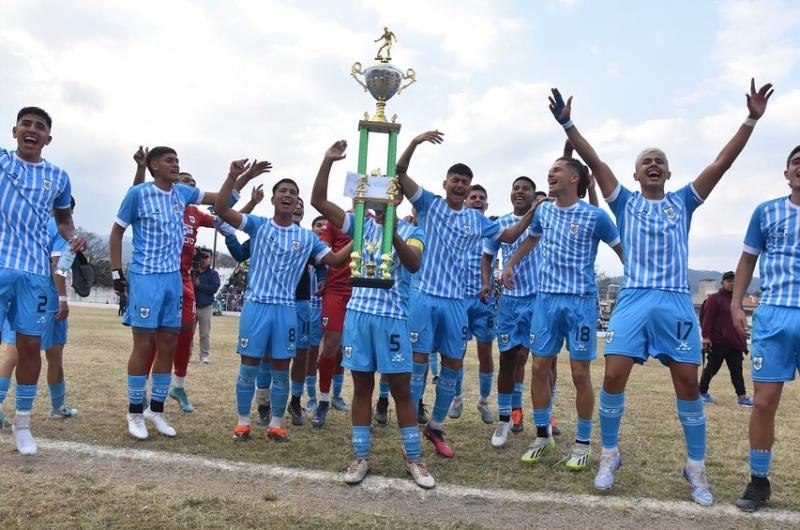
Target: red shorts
{"points": [[188, 308], [334, 306]]}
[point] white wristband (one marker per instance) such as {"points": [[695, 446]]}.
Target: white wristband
{"points": [[750, 122], [115, 275], [569, 125], [62, 299]]}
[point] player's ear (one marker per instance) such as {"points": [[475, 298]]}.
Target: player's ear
{"points": [[14, 131], [444, 184], [669, 174]]}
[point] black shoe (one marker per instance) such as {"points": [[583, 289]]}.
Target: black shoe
{"points": [[422, 413], [296, 411], [318, 420], [382, 411], [264, 414], [755, 495]]}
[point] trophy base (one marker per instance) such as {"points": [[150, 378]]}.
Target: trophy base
{"points": [[372, 283]]}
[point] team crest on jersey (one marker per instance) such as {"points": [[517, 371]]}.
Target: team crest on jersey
{"points": [[573, 228], [47, 184], [414, 336], [144, 312], [609, 337], [176, 208], [191, 219], [244, 341], [532, 338], [758, 363], [504, 338], [468, 229], [324, 321], [348, 351], [669, 211], [295, 245]]}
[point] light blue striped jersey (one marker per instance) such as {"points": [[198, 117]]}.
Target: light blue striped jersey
{"points": [[472, 280], [655, 237], [278, 256], [774, 234], [56, 246], [569, 239], [450, 235], [318, 275], [525, 271], [157, 219], [28, 192], [392, 302]]}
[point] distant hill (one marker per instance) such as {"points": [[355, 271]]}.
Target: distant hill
{"points": [[695, 276]]}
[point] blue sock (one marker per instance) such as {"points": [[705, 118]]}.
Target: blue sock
{"points": [[434, 360], [5, 382], [612, 406], [245, 389], [57, 393], [160, 387], [516, 397], [417, 382], [553, 394], [137, 385], [264, 377], [541, 418], [459, 382], [384, 389], [279, 393], [693, 420], [760, 459], [338, 383], [412, 444], [311, 386], [297, 388], [584, 432], [485, 382], [362, 440], [25, 396], [503, 404], [445, 390]]}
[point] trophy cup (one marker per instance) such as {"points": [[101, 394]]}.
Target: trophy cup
{"points": [[382, 80]]}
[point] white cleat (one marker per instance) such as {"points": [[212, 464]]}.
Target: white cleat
{"points": [[26, 445], [136, 426], [500, 436], [419, 472], [609, 464], [160, 421], [701, 491], [357, 471]]}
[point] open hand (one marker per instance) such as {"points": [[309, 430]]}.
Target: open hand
{"points": [[757, 101], [257, 168], [257, 194], [336, 151], [561, 111], [434, 137]]}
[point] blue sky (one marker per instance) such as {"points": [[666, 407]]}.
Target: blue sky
{"points": [[223, 80]]}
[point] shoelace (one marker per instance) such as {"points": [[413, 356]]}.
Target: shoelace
{"points": [[698, 478], [605, 462], [354, 466], [421, 468]]}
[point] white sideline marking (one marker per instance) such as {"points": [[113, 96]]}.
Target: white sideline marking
{"points": [[376, 484]]}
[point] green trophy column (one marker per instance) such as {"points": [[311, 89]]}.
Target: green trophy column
{"points": [[358, 229], [389, 216]]}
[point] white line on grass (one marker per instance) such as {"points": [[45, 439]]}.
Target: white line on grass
{"points": [[378, 484]]}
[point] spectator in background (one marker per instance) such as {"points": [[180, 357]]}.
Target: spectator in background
{"points": [[725, 341], [206, 284]]}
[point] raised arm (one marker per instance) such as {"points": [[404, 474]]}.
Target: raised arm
{"points": [[140, 157], [756, 105], [744, 274], [319, 193], [513, 232], [222, 199], [256, 196], [523, 250], [562, 113], [408, 184]]}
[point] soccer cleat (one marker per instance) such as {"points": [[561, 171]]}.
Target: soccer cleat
{"points": [[63, 412], [20, 426], [160, 421], [4, 423], [745, 402], [609, 464], [179, 395], [500, 435], [318, 420], [382, 411], [701, 492], [456, 407], [277, 434], [311, 406], [516, 421], [264, 414], [136, 426], [296, 412], [339, 404], [554, 429], [241, 433], [708, 398], [422, 413], [436, 437], [755, 495], [419, 472], [204, 358], [580, 457], [537, 449], [357, 471], [485, 410]]}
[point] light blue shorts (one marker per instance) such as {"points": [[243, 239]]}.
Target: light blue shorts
{"points": [[564, 316], [303, 308], [154, 301], [480, 319], [440, 323], [267, 328], [514, 322], [24, 301], [776, 343], [315, 337], [374, 343], [54, 335]]}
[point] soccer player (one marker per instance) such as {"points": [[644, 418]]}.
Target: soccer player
{"points": [[30, 188], [280, 251], [654, 315], [439, 316], [318, 277], [516, 307], [773, 235], [376, 337], [155, 210], [480, 319], [568, 232]]}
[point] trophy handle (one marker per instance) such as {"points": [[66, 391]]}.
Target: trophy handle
{"points": [[356, 70], [410, 74]]}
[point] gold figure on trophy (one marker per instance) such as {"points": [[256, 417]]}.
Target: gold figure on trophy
{"points": [[371, 247], [387, 37]]}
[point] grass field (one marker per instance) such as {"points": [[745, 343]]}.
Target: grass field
{"points": [[651, 439]]}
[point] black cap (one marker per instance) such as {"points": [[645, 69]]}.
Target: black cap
{"points": [[728, 275]]}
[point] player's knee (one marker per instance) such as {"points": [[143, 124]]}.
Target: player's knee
{"points": [[421, 358], [581, 377], [766, 404]]}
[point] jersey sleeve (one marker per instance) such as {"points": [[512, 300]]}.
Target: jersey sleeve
{"points": [[417, 235], [57, 243], [618, 199], [190, 194], [490, 229], [129, 209], [491, 246], [349, 225], [690, 197], [535, 229], [251, 224], [319, 249], [206, 219], [754, 240], [422, 200], [605, 229], [64, 199]]}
